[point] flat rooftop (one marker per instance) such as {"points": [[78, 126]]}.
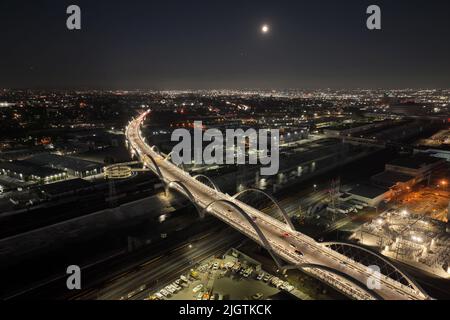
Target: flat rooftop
{"points": [[65, 186], [347, 126], [391, 178], [28, 169], [63, 162], [415, 162], [368, 191]]}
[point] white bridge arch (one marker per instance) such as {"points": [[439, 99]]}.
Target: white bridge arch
{"points": [[283, 212]]}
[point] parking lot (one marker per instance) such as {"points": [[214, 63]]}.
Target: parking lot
{"points": [[230, 278]]}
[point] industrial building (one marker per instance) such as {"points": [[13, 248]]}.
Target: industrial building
{"points": [[395, 181], [401, 175], [65, 188], [73, 166], [419, 166], [29, 172], [351, 129], [437, 153], [370, 194]]}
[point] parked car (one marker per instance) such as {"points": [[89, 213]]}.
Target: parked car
{"points": [[197, 288], [170, 289], [165, 293], [248, 272], [183, 278]]}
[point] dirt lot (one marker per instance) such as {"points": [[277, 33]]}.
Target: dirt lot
{"points": [[432, 202]]}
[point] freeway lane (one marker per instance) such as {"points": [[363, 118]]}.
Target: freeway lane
{"points": [[284, 246]]}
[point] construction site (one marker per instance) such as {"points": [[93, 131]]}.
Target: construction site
{"points": [[432, 202]]}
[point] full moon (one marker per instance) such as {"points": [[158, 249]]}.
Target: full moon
{"points": [[265, 28]]}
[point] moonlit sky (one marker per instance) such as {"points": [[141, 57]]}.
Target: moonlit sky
{"points": [[204, 44]]}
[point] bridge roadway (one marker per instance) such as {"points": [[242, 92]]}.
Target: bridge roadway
{"points": [[299, 250]]}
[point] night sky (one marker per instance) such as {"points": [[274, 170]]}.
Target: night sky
{"points": [[205, 44]]}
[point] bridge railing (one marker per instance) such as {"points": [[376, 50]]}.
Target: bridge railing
{"points": [[243, 206]]}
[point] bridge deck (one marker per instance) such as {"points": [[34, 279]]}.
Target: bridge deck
{"points": [[284, 242]]}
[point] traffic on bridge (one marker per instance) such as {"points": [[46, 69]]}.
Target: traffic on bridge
{"points": [[290, 249]]}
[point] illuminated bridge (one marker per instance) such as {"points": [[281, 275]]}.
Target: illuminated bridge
{"points": [[348, 268]]}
